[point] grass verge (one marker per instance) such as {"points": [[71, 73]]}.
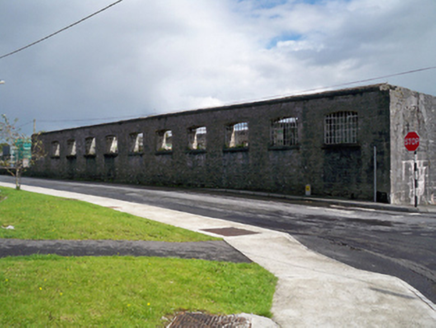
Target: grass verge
{"points": [[50, 290], [41, 217]]}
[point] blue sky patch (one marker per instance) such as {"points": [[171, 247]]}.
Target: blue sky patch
{"points": [[267, 4], [284, 37]]}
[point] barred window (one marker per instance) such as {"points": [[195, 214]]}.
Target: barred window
{"points": [[197, 138], [284, 132], [136, 143], [90, 146], [237, 135], [340, 127], [111, 145], [164, 140]]}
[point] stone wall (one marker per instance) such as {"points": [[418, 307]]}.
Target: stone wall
{"points": [[412, 111], [339, 170]]}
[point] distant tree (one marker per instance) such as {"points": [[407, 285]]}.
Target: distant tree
{"points": [[1, 146], [26, 150]]}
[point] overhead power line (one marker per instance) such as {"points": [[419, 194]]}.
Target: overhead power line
{"points": [[295, 93], [61, 30], [254, 100], [371, 79], [89, 119]]}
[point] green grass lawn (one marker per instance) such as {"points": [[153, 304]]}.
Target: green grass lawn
{"points": [[55, 291], [37, 216], [125, 291]]}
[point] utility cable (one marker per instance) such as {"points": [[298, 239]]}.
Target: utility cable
{"points": [[295, 93], [89, 119], [371, 79], [260, 99], [24, 124], [61, 30]]}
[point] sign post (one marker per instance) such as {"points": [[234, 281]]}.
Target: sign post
{"points": [[375, 174], [411, 142]]}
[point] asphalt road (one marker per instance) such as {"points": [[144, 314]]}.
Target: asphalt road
{"points": [[395, 243]]}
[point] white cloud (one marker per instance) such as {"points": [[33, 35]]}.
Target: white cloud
{"points": [[293, 45], [147, 57]]}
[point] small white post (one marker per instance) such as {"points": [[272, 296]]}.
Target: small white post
{"points": [[308, 190]]}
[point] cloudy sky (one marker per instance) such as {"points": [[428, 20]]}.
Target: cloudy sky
{"points": [[145, 57]]}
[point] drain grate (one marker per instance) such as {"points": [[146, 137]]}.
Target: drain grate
{"points": [[231, 232], [201, 320]]}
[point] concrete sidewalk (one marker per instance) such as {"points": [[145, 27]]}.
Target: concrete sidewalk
{"points": [[313, 290]]}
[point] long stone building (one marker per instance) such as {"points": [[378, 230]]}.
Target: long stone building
{"points": [[329, 141]]}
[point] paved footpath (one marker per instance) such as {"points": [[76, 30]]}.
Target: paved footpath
{"points": [[312, 290], [216, 250]]}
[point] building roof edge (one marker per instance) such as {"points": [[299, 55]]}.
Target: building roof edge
{"points": [[299, 97]]}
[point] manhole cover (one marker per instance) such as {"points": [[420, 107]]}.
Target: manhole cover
{"points": [[230, 232], [201, 320]]}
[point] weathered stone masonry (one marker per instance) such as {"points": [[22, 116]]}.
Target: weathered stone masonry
{"points": [[326, 140]]}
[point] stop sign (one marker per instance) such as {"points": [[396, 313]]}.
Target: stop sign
{"points": [[411, 141]]}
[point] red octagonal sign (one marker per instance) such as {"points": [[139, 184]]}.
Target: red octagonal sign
{"points": [[411, 141]]}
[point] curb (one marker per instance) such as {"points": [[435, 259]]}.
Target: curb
{"points": [[327, 201]]}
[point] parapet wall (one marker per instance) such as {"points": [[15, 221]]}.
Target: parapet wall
{"points": [[326, 140]]}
